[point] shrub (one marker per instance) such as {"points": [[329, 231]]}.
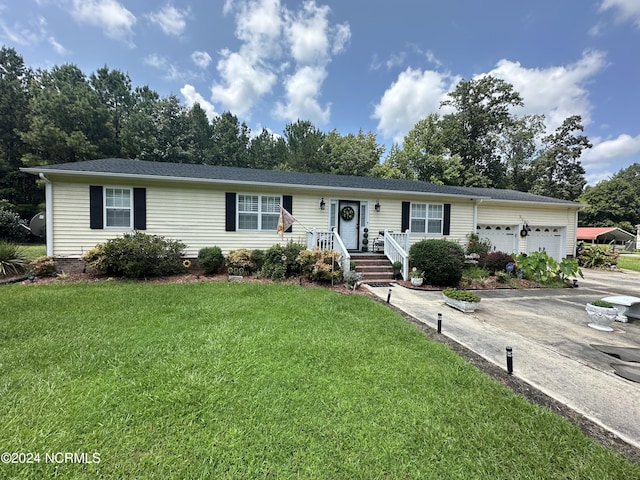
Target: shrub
{"points": [[441, 261], [602, 304], [257, 259], [353, 278], [239, 262], [280, 262], [136, 255], [477, 245], [12, 259], [473, 271], [495, 261], [12, 227], [597, 256], [502, 277], [540, 267], [321, 265], [211, 259], [44, 266], [461, 295]]}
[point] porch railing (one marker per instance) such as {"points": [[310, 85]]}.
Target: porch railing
{"points": [[330, 241], [396, 247]]}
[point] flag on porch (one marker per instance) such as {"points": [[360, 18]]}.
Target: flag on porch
{"points": [[284, 221]]}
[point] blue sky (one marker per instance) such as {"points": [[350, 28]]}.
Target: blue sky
{"points": [[374, 65]]}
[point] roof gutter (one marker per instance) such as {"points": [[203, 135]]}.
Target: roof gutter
{"points": [[48, 201], [322, 188]]}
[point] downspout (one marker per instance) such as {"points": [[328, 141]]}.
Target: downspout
{"points": [[476, 202], [48, 201]]}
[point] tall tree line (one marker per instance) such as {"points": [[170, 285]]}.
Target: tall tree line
{"points": [[62, 115]]}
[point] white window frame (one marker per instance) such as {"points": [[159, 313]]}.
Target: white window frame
{"points": [[107, 208], [259, 212], [426, 218]]}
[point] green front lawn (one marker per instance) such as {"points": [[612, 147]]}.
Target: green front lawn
{"points": [[249, 380], [33, 251], [630, 262]]}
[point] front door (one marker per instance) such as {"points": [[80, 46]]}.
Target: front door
{"points": [[349, 223]]}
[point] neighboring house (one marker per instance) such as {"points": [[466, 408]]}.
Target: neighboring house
{"points": [[201, 205], [605, 235]]}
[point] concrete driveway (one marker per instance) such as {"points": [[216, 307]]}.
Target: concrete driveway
{"points": [[547, 329]]}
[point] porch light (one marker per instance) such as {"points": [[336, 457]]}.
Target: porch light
{"points": [[377, 206], [322, 204]]}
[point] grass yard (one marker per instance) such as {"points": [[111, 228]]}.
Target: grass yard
{"points": [[32, 251], [249, 380], [630, 262]]}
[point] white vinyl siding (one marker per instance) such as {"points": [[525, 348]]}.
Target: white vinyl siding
{"points": [[117, 207], [427, 218], [258, 212]]}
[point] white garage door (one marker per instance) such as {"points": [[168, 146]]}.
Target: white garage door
{"points": [[546, 239], [503, 238]]}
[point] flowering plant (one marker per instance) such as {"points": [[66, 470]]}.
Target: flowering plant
{"points": [[415, 273]]}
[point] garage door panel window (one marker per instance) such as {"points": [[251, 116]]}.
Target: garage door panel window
{"points": [[427, 218]]}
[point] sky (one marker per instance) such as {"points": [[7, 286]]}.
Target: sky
{"points": [[373, 65]]}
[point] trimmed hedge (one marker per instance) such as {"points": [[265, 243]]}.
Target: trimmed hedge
{"points": [[137, 255], [441, 261]]}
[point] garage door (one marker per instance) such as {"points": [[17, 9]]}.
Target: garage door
{"points": [[503, 238], [546, 239]]}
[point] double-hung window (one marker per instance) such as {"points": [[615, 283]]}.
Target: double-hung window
{"points": [[258, 212], [118, 207], [427, 218]]}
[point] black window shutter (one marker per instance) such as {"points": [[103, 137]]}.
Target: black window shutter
{"points": [[95, 207], [287, 204], [139, 208], [230, 212], [405, 216], [446, 224]]}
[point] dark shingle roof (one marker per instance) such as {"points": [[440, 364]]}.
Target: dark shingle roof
{"points": [[120, 166]]}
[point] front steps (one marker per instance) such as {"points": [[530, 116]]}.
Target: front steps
{"points": [[375, 267]]}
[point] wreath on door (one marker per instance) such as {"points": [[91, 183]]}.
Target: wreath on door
{"points": [[347, 213]]}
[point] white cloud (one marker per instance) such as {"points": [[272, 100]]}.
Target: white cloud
{"points": [[307, 34], [171, 20], [162, 63], [244, 82], [301, 92], [341, 37], [311, 41], [191, 97], [60, 50], [24, 35], [201, 59], [111, 16], [412, 97], [603, 151], [626, 10], [270, 33], [557, 92]]}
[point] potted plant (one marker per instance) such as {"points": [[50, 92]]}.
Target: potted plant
{"points": [[417, 277], [397, 267], [602, 315], [463, 300]]}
